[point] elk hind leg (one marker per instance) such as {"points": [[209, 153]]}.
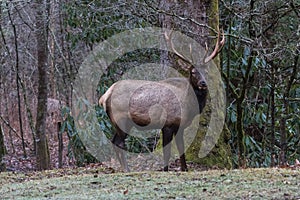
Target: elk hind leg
{"points": [[119, 147], [121, 158]]}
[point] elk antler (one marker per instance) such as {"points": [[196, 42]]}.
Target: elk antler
{"points": [[218, 48], [169, 41]]}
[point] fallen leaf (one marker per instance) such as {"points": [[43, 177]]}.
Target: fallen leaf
{"points": [[125, 192]]}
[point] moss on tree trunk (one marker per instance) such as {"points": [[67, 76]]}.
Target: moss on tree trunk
{"points": [[220, 155]]}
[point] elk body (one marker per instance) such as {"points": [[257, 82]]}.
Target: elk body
{"points": [[169, 105]]}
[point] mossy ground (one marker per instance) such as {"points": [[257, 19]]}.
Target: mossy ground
{"points": [[97, 184]]}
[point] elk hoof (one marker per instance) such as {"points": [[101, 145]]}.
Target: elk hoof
{"points": [[184, 169]]}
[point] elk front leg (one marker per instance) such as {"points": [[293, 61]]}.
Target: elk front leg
{"points": [[167, 138], [180, 147]]}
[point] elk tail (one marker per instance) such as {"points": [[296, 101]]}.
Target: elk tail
{"points": [[105, 96]]}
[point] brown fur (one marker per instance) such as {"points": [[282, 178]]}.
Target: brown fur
{"points": [[169, 105]]}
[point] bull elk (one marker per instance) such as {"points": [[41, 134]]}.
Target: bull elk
{"points": [[167, 105]]}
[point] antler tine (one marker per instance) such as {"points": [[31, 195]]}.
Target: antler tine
{"points": [[206, 52], [222, 41], [218, 47], [169, 41]]}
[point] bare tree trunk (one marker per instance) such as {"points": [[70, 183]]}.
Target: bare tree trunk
{"points": [[29, 114], [52, 91], [41, 33], [17, 68], [60, 145], [6, 86], [272, 102], [2, 150], [8, 124]]}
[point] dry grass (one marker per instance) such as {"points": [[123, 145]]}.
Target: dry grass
{"points": [[101, 183]]}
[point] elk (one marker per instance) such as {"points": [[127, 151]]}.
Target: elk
{"points": [[169, 105]]}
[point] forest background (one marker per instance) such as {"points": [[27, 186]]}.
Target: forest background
{"points": [[43, 44]]}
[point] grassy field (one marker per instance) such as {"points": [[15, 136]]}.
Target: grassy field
{"points": [[101, 184]]}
